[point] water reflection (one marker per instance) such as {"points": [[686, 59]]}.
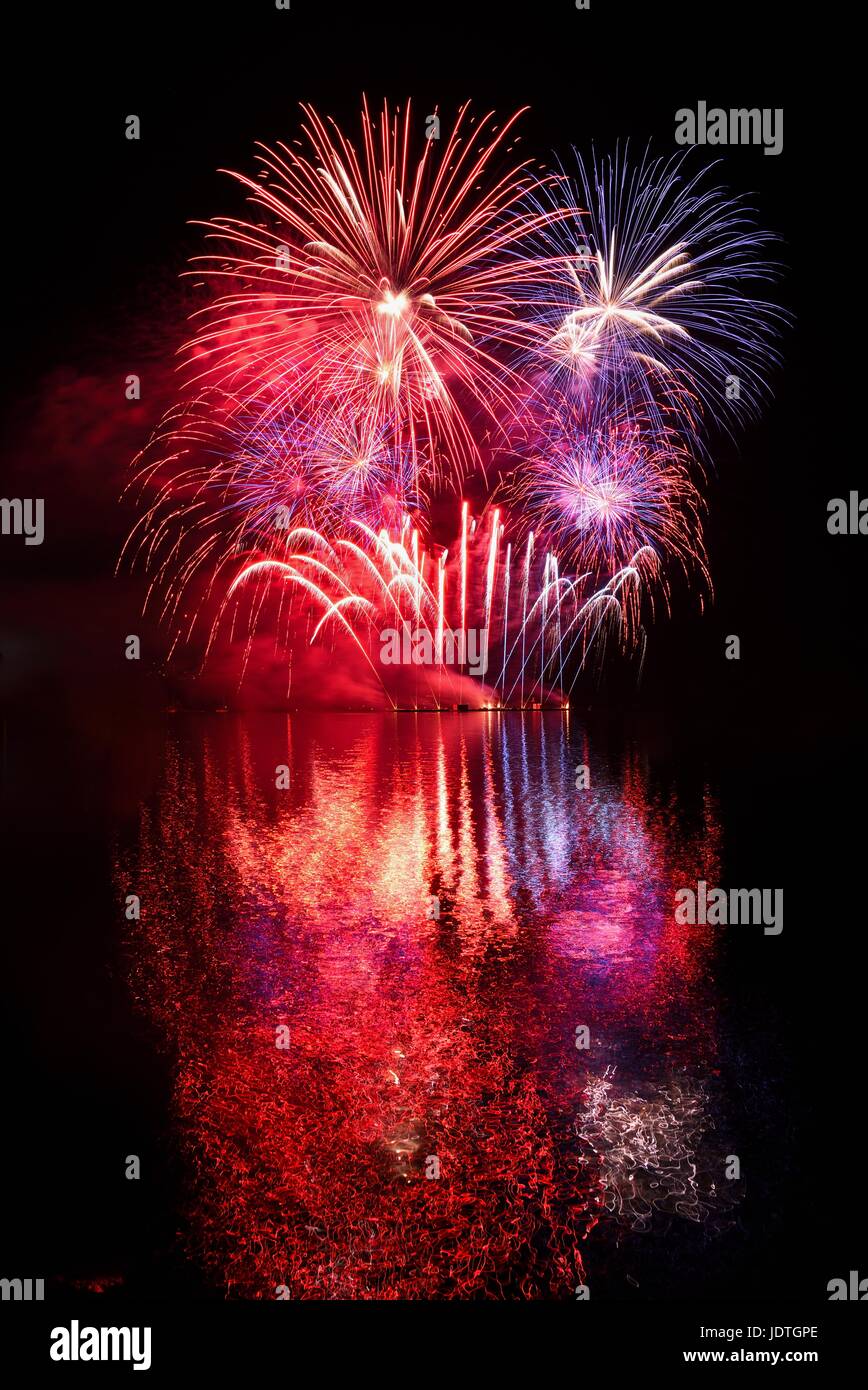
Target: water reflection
{"points": [[432, 1128]]}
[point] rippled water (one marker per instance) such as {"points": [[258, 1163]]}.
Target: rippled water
{"points": [[373, 1100]]}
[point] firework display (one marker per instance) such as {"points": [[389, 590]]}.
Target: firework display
{"points": [[411, 318]]}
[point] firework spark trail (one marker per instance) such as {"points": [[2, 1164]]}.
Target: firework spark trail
{"points": [[441, 610], [505, 611], [492, 567], [527, 559], [463, 574]]}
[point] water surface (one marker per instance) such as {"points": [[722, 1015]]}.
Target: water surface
{"points": [[372, 986]]}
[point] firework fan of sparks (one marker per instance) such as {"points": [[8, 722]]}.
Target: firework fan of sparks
{"points": [[536, 623], [235, 480], [651, 296], [382, 318], [602, 484], [364, 465], [286, 468], [376, 281]]}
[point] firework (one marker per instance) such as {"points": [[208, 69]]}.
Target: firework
{"points": [[375, 280], [651, 299], [604, 484], [316, 468]]}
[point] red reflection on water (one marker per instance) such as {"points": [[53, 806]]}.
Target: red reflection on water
{"points": [[417, 1045]]}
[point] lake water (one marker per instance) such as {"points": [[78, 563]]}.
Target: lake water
{"points": [[427, 1024]]}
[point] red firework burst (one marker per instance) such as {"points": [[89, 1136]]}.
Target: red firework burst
{"points": [[377, 280]]}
